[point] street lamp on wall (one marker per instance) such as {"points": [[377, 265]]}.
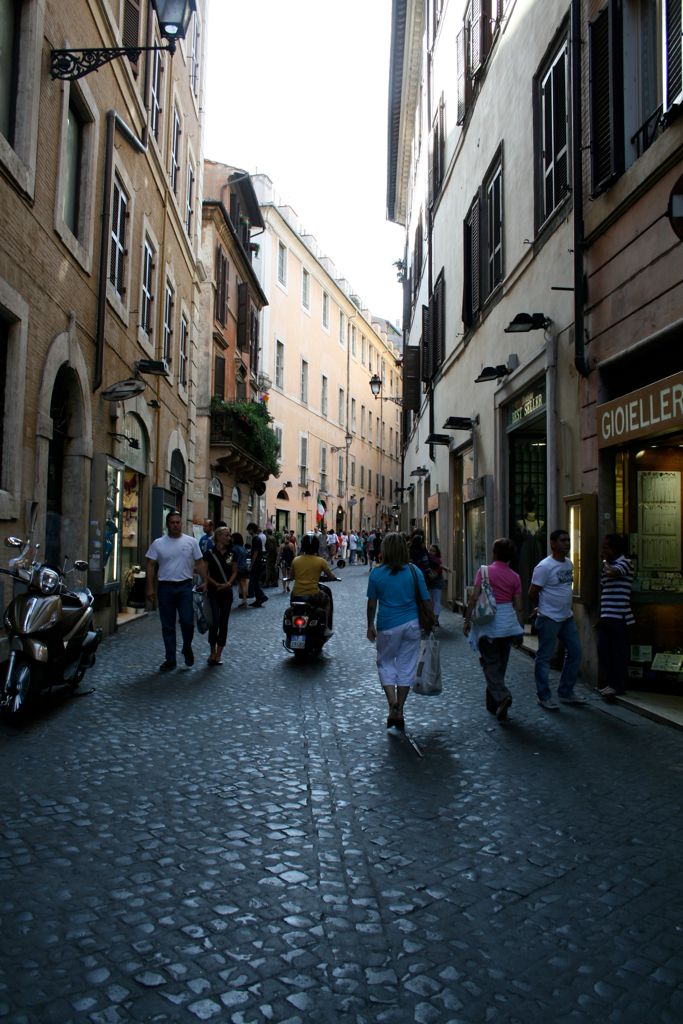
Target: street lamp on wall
{"points": [[376, 386], [174, 20]]}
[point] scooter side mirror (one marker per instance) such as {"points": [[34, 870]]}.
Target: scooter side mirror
{"points": [[80, 565], [13, 542]]}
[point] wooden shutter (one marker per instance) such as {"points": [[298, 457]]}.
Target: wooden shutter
{"points": [[426, 346], [463, 74], [411, 378], [475, 256], [673, 83], [438, 323], [606, 96], [219, 377], [407, 301], [242, 317], [131, 25], [477, 21]]}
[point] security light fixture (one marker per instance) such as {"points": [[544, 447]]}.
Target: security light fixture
{"points": [[459, 423], [438, 439], [289, 484], [491, 373], [307, 493], [524, 322], [154, 404], [174, 20], [153, 367]]}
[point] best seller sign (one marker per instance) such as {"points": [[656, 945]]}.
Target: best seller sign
{"points": [[656, 409]]}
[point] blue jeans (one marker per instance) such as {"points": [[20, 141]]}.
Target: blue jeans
{"points": [[175, 598], [549, 632]]}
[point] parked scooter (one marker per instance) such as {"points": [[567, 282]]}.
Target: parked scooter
{"points": [[307, 624], [49, 627]]}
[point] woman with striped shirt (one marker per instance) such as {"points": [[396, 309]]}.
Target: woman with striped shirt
{"points": [[616, 580]]}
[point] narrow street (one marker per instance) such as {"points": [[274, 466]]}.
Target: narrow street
{"points": [[247, 844]]}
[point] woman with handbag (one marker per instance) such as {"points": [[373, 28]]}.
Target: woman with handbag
{"points": [[492, 639], [394, 590], [221, 573]]}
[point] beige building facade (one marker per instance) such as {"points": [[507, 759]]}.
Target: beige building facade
{"points": [[100, 194], [340, 447]]}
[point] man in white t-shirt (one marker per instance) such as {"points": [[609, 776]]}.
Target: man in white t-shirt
{"points": [[177, 557], [551, 591], [353, 547]]}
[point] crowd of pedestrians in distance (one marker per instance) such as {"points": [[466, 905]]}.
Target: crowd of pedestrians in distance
{"points": [[405, 584]]}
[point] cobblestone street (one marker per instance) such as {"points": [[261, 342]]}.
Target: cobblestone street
{"points": [[246, 844]]}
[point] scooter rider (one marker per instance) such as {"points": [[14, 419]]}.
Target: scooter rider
{"points": [[306, 571]]}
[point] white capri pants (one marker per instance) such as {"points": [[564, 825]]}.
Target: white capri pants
{"points": [[397, 653]]}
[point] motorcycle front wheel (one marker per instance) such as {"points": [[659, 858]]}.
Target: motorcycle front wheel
{"points": [[19, 689]]}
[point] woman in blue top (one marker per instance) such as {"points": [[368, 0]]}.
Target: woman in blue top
{"points": [[392, 586]]}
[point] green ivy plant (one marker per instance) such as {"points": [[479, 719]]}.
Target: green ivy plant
{"points": [[254, 419]]}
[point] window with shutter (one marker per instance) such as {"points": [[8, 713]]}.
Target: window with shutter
{"points": [[492, 269], [118, 250], [169, 301], [673, 29], [175, 151], [606, 96], [553, 157], [464, 82]]}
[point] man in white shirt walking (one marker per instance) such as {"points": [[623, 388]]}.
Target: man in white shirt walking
{"points": [[551, 590], [177, 557]]}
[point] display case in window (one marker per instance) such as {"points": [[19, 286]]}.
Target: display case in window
{"points": [[582, 527], [106, 520]]}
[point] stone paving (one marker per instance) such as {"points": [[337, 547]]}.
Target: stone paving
{"points": [[246, 844]]}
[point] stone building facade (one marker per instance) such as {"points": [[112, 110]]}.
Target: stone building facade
{"points": [[100, 194]]}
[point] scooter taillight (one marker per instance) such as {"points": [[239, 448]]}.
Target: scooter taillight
{"points": [[299, 621]]}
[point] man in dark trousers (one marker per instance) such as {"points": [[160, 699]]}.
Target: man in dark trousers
{"points": [[256, 570], [176, 557]]}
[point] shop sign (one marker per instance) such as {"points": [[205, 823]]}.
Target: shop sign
{"points": [[652, 410], [526, 405]]}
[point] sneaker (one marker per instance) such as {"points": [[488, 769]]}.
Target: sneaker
{"points": [[189, 658], [167, 666], [549, 704], [574, 698], [607, 692], [502, 709]]}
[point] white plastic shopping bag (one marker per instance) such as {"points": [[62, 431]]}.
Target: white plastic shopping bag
{"points": [[428, 672]]}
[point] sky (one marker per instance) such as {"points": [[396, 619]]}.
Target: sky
{"points": [[297, 90]]}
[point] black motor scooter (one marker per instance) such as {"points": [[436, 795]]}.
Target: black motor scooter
{"points": [[49, 628], [307, 624]]}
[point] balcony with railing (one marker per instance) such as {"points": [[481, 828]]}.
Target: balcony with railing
{"points": [[242, 443]]}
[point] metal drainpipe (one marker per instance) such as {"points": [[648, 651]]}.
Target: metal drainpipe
{"points": [[580, 360], [553, 512]]}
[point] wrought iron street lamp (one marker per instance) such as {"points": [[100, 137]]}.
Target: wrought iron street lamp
{"points": [[174, 19]]}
